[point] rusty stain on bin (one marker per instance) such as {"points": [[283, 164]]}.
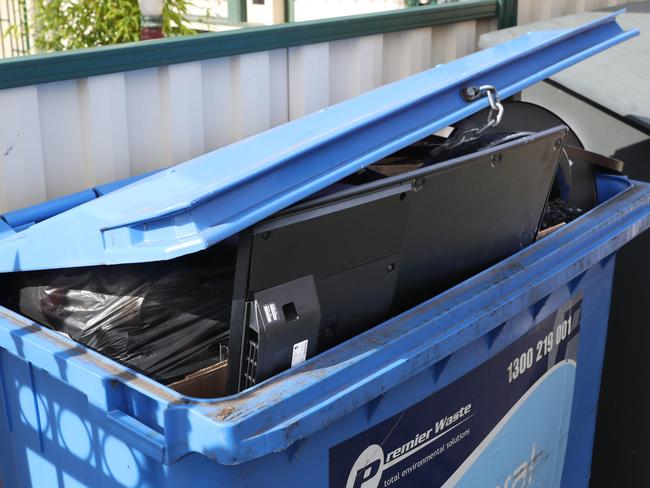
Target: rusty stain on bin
{"points": [[224, 413]]}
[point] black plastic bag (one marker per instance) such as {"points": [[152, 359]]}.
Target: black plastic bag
{"points": [[165, 319]]}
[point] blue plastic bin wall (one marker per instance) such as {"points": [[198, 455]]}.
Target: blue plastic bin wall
{"points": [[443, 357], [494, 380]]}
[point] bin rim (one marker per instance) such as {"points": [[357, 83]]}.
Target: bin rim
{"points": [[256, 422], [196, 204]]}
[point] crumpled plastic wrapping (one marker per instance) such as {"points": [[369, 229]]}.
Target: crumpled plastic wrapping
{"points": [[164, 319]]}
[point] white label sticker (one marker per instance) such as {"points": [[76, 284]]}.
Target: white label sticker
{"points": [[271, 312], [299, 353]]}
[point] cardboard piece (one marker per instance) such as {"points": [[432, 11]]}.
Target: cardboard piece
{"points": [[544, 232], [208, 382]]}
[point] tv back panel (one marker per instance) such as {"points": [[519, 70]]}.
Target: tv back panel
{"points": [[328, 269]]}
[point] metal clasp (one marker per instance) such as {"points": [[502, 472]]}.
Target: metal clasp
{"points": [[495, 114], [470, 94]]}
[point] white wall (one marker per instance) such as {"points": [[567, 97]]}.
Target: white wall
{"points": [[268, 13], [61, 137], [323, 9]]}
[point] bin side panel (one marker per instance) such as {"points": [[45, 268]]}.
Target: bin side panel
{"points": [[7, 463], [509, 449], [577, 466], [477, 425], [60, 439]]}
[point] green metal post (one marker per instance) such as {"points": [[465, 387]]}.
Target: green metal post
{"points": [[25, 26], [507, 13], [289, 10], [237, 10]]}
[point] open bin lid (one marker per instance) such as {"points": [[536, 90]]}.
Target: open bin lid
{"points": [[194, 205]]}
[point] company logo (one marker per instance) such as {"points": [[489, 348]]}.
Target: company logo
{"points": [[369, 466], [447, 422], [367, 470]]}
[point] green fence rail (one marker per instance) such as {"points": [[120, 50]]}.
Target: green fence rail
{"points": [[43, 68]]}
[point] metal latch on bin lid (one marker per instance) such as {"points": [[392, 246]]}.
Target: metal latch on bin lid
{"points": [[198, 203]]}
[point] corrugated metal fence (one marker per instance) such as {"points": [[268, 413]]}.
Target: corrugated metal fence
{"points": [[77, 119], [536, 10], [58, 137]]}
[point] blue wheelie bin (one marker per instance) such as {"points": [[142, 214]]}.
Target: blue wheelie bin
{"points": [[493, 382]]}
